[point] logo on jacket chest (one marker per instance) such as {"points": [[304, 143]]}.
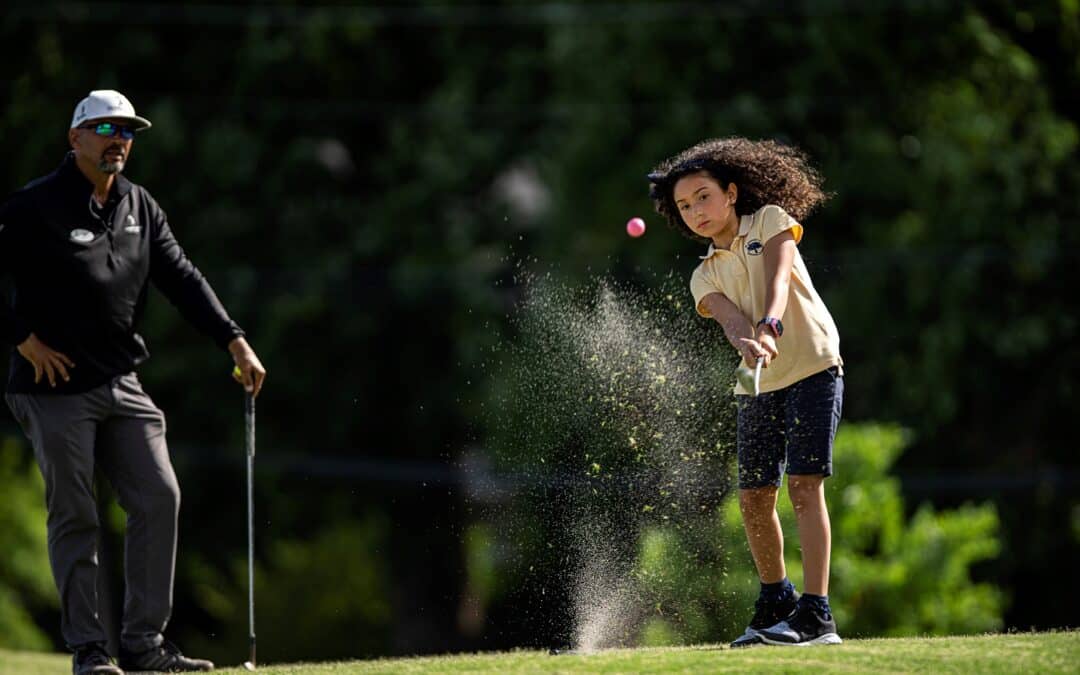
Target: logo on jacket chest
{"points": [[754, 247], [130, 226], [81, 236]]}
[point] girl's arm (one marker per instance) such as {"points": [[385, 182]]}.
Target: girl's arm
{"points": [[779, 257], [737, 328]]}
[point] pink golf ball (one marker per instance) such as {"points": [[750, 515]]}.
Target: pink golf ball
{"points": [[635, 227]]}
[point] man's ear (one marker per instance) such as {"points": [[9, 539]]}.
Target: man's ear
{"points": [[73, 137]]}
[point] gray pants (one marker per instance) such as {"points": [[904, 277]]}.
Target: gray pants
{"points": [[117, 427]]}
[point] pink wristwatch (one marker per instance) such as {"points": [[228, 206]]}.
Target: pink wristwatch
{"points": [[774, 325]]}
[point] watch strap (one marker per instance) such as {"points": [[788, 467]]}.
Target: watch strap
{"points": [[774, 324]]}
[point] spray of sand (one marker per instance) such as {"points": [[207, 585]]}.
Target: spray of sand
{"points": [[619, 397]]}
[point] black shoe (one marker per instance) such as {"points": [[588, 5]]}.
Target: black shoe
{"points": [[766, 613], [92, 659], [163, 659], [807, 626]]}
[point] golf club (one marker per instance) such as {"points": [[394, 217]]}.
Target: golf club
{"points": [[249, 443], [757, 381], [751, 379]]}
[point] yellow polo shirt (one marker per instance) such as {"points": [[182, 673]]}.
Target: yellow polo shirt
{"points": [[810, 343]]}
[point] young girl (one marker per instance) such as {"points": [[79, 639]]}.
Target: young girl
{"points": [[745, 199]]}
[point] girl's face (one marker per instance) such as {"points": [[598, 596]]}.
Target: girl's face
{"points": [[706, 208]]}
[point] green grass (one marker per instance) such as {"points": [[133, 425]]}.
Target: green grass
{"points": [[1054, 652]]}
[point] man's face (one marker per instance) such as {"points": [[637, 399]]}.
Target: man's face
{"points": [[105, 144]]}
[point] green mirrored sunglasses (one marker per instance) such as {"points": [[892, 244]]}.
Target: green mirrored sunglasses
{"points": [[111, 129]]}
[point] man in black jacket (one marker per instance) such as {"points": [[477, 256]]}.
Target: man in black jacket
{"points": [[82, 245]]}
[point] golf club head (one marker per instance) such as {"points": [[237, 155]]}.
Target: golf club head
{"points": [[750, 379], [248, 665], [745, 377]]}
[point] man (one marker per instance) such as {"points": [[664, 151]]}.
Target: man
{"points": [[81, 245]]}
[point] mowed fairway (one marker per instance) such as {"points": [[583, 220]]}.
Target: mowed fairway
{"points": [[1055, 652]]}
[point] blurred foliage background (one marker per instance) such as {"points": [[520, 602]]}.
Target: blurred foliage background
{"points": [[366, 186]]}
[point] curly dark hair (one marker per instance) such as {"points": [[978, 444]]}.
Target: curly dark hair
{"points": [[765, 172]]}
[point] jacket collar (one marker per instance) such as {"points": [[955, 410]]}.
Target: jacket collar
{"points": [[70, 173]]}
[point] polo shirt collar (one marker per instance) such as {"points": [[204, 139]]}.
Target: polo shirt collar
{"points": [[744, 229]]}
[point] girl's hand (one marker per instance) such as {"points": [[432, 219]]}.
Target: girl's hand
{"points": [[751, 349], [767, 341]]}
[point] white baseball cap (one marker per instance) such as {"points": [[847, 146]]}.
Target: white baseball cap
{"points": [[104, 104]]}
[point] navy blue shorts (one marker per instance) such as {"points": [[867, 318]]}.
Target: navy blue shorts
{"points": [[792, 427]]}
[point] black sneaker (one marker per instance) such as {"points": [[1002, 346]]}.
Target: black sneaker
{"points": [[766, 613], [807, 626], [164, 659], [92, 659]]}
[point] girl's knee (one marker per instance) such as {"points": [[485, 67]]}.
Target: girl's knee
{"points": [[757, 499], [805, 488], [805, 482]]}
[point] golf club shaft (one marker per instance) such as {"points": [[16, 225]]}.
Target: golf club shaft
{"points": [[757, 375], [249, 442]]}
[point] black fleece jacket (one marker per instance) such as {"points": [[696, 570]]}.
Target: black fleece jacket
{"points": [[80, 278]]}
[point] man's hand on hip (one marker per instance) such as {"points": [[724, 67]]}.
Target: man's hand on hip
{"points": [[251, 372], [45, 360]]}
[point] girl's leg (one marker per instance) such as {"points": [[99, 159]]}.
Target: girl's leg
{"points": [[763, 533], [812, 416], [815, 533], [812, 621]]}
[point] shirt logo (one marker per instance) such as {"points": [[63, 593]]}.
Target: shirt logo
{"points": [[82, 236], [754, 247], [132, 227]]}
